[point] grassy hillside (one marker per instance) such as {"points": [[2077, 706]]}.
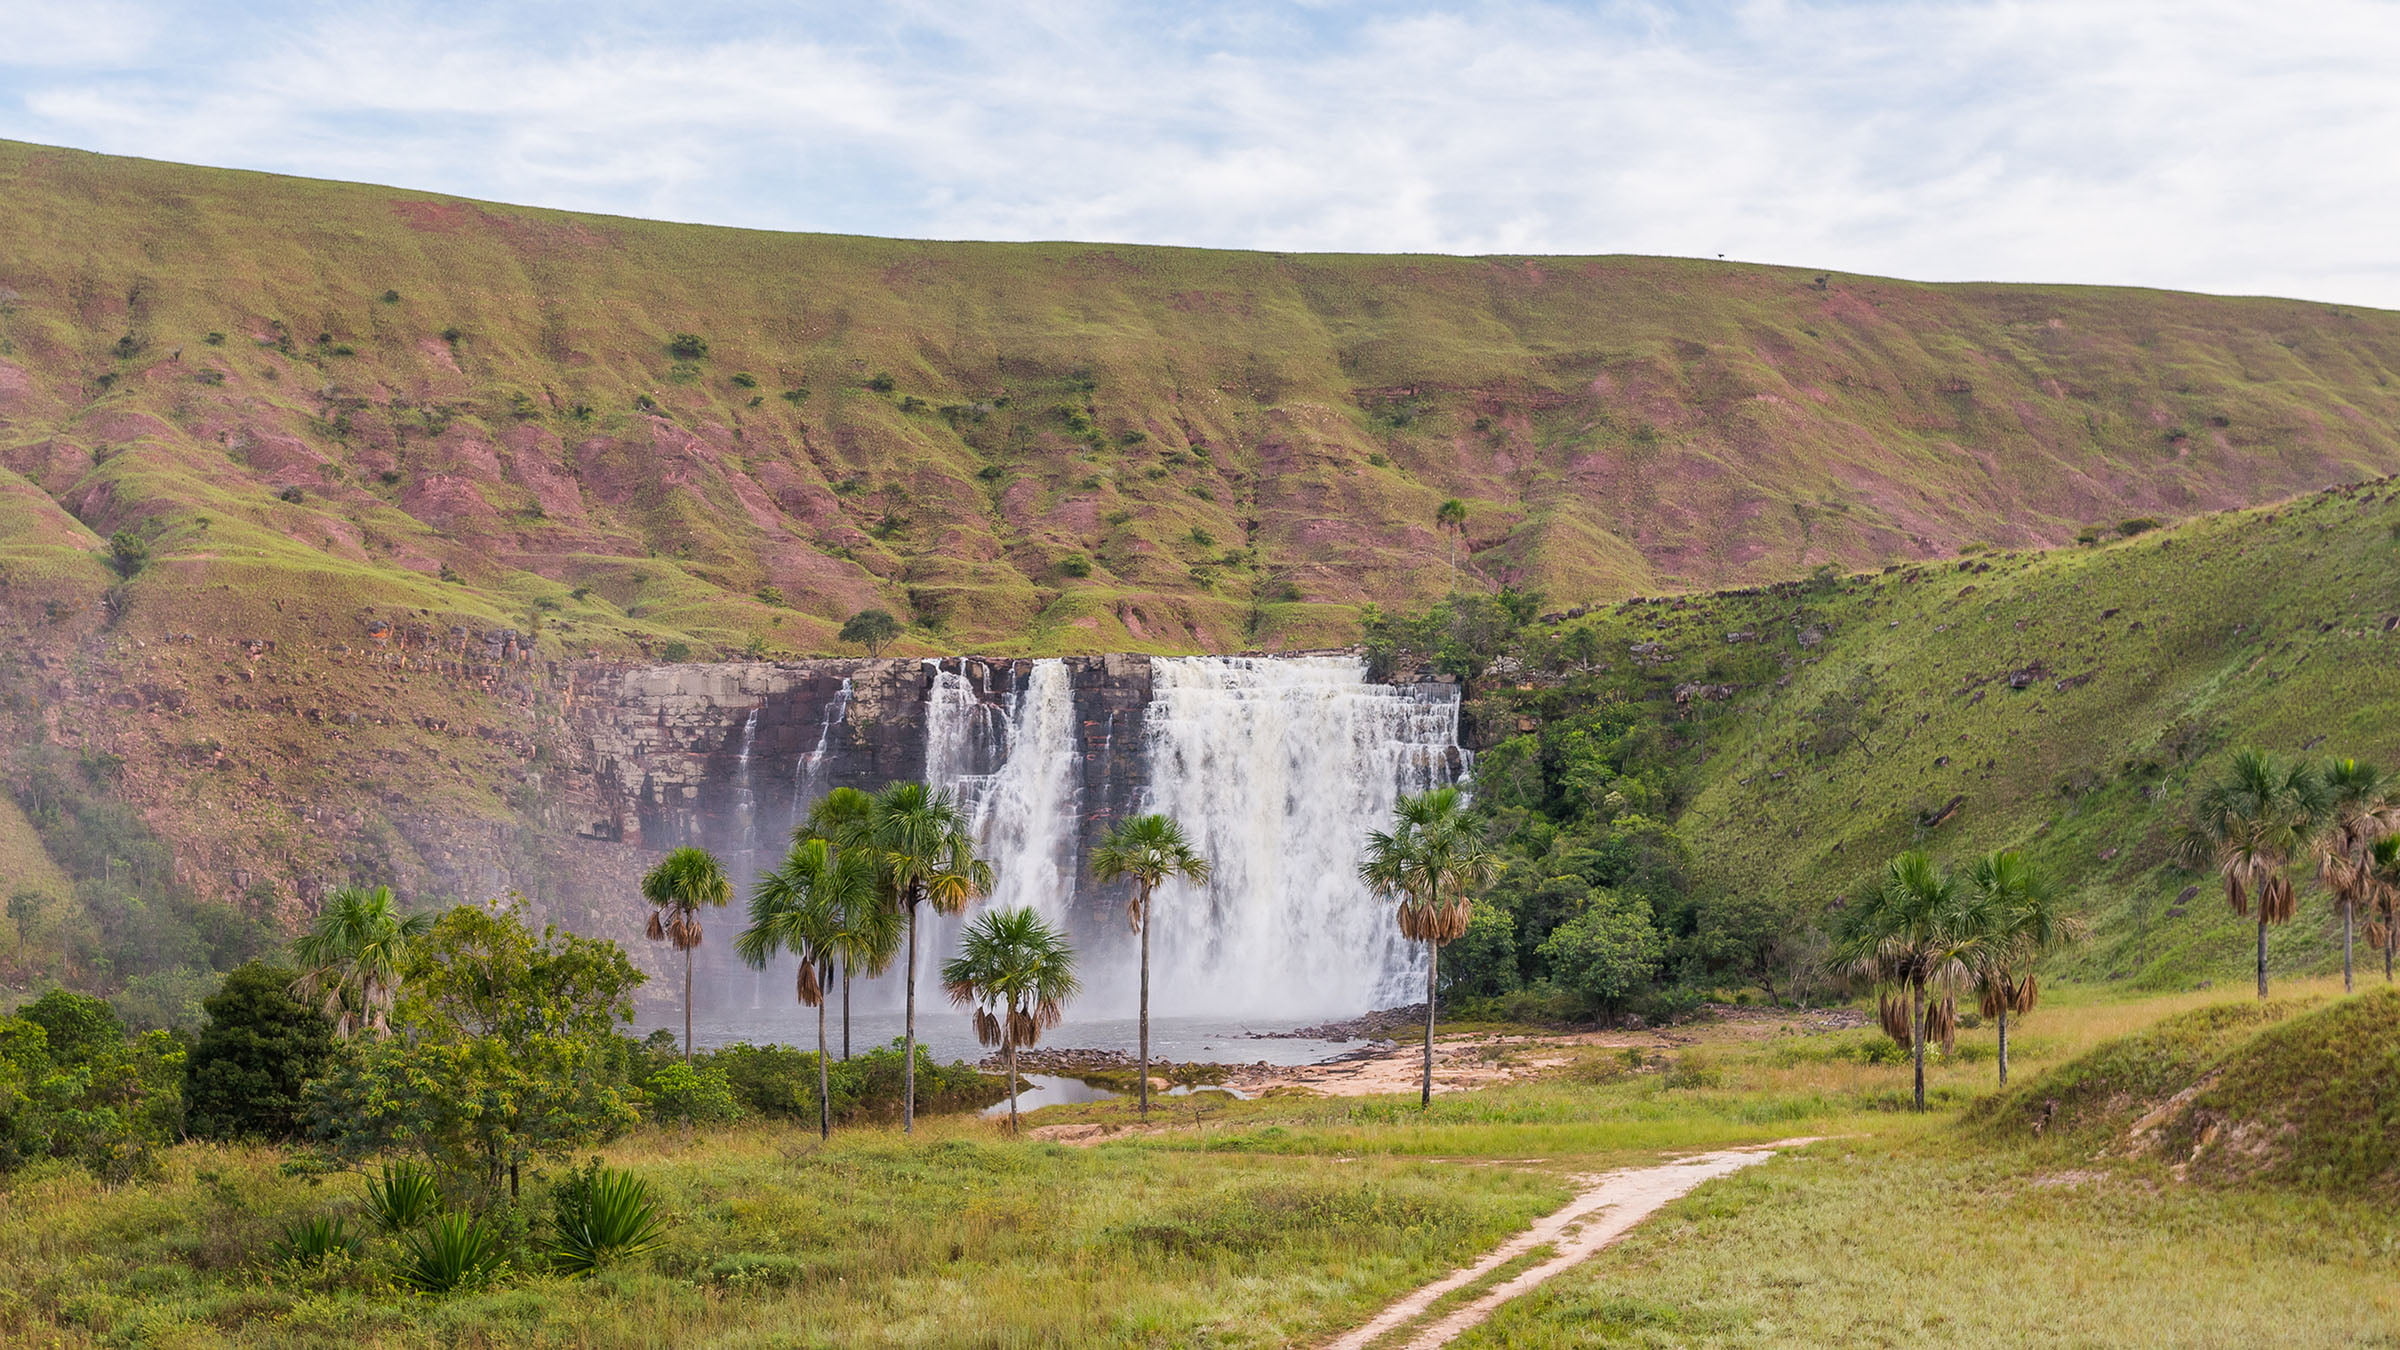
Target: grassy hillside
{"points": [[2064, 703], [318, 405]]}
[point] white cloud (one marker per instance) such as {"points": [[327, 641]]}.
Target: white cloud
{"points": [[2203, 144]]}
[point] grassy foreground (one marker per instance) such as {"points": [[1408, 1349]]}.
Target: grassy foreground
{"points": [[1281, 1220]]}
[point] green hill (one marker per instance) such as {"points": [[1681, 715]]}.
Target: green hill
{"points": [[319, 403], [2062, 702], [2280, 1092]]}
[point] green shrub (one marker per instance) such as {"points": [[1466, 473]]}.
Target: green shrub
{"points": [[689, 1094], [881, 383], [677, 650], [602, 1214], [1074, 565], [243, 1077], [402, 1196], [687, 347], [456, 1251], [745, 380]]}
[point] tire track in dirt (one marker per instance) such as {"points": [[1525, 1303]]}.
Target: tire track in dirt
{"points": [[1608, 1208]]}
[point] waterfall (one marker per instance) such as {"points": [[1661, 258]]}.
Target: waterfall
{"points": [[1025, 811], [745, 795], [1277, 769]]}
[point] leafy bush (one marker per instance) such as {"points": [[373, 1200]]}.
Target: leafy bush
{"points": [[1074, 565], [602, 1214], [687, 1094], [871, 628], [245, 1071], [687, 347], [881, 383], [781, 1081], [307, 1242], [677, 650], [455, 1251], [402, 1196]]}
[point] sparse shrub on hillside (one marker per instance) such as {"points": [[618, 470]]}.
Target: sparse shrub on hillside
{"points": [[128, 552], [910, 403], [1074, 565], [291, 494], [2134, 525], [743, 379], [688, 347], [882, 383], [870, 628], [675, 650], [1202, 537], [214, 339], [795, 397], [645, 403], [391, 297], [770, 595], [454, 335], [992, 473]]}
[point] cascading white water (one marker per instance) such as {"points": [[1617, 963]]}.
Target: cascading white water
{"points": [[1277, 769], [1024, 813]]}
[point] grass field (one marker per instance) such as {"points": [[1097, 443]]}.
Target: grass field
{"points": [[1281, 1220]]}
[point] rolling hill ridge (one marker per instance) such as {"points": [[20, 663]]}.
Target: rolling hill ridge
{"points": [[315, 406]]}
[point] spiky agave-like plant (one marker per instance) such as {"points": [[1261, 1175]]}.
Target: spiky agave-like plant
{"points": [[687, 881], [1147, 850], [2250, 824], [1017, 973], [1432, 861]]}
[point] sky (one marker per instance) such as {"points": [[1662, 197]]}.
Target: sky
{"points": [[2234, 146]]}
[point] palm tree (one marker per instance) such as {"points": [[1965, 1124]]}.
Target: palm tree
{"points": [[353, 954], [1915, 936], [2362, 808], [1451, 519], [2018, 919], [2383, 921], [823, 905], [687, 881], [1432, 861], [1017, 973], [927, 857], [2249, 825], [1147, 850], [840, 818]]}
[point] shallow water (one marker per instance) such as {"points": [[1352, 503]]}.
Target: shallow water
{"points": [[950, 1036]]}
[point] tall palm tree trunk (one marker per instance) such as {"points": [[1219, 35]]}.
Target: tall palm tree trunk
{"points": [[2346, 926], [824, 1081], [2004, 1043], [908, 1061], [2262, 950], [1433, 967], [1012, 1075], [845, 1010], [1916, 1036], [687, 1005], [1145, 1012]]}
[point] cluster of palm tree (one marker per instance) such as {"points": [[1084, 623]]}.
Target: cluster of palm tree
{"points": [[1925, 936], [2267, 812], [847, 899]]}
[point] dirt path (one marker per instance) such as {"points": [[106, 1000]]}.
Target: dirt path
{"points": [[1607, 1209]]}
